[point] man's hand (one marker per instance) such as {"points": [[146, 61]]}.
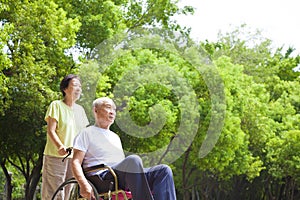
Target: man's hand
{"points": [[86, 191]]}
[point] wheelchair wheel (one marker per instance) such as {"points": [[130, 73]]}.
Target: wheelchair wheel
{"points": [[73, 186]]}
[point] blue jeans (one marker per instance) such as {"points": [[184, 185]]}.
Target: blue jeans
{"points": [[144, 183]]}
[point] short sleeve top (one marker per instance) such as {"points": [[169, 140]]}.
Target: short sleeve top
{"points": [[101, 146], [69, 122]]}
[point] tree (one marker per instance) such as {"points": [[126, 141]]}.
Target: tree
{"points": [[154, 98], [38, 39], [4, 65], [143, 75], [269, 111], [37, 34], [124, 16]]}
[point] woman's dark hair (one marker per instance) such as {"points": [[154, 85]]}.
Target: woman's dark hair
{"points": [[65, 82]]}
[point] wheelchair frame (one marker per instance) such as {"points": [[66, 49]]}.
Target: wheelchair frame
{"points": [[75, 194]]}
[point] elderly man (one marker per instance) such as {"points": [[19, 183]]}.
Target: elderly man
{"points": [[96, 145]]}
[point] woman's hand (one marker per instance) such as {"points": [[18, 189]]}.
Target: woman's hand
{"points": [[62, 150]]}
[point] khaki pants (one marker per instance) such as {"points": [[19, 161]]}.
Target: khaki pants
{"points": [[54, 173]]}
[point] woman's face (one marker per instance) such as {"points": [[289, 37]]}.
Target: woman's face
{"points": [[74, 89]]}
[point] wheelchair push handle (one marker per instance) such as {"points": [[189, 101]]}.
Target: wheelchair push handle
{"points": [[69, 150]]}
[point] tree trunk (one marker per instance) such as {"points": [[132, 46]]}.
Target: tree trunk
{"points": [[34, 179], [8, 185]]}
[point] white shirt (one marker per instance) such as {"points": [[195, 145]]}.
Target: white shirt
{"points": [[101, 146]]}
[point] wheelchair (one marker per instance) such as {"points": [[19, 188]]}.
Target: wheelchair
{"points": [[113, 192]]}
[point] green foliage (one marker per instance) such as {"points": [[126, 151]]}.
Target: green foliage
{"points": [[152, 101], [37, 36], [90, 76], [283, 155], [261, 98], [174, 102], [231, 155], [38, 39], [97, 25], [5, 64], [124, 16], [150, 12]]}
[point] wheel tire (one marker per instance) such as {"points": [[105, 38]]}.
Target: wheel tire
{"points": [[74, 193]]}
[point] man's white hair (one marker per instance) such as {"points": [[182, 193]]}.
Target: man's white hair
{"points": [[102, 100]]}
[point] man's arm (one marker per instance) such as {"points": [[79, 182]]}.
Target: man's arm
{"points": [[86, 190]]}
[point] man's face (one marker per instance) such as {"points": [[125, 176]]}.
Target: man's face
{"points": [[74, 89], [106, 113]]}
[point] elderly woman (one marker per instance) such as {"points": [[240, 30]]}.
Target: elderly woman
{"points": [[64, 120]]}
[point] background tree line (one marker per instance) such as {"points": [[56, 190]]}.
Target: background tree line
{"points": [[256, 154]]}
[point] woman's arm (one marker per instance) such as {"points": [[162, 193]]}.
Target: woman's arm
{"points": [[51, 131]]}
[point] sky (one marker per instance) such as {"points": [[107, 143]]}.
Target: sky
{"points": [[278, 20]]}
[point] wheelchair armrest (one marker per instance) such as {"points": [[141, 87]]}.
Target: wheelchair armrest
{"points": [[94, 168]]}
